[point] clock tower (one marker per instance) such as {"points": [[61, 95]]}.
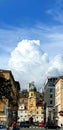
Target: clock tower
{"points": [[32, 100]]}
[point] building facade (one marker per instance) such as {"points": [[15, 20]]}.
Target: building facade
{"points": [[22, 106], [49, 97], [9, 99], [59, 101], [35, 105], [32, 105], [22, 113]]}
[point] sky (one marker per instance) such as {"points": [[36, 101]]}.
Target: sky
{"points": [[31, 39]]}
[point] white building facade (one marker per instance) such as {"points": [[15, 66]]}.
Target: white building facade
{"points": [[22, 113]]}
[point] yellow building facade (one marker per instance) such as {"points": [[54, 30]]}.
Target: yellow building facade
{"points": [[35, 107], [59, 100], [32, 101]]}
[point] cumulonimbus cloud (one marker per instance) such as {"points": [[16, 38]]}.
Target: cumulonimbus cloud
{"points": [[29, 63]]}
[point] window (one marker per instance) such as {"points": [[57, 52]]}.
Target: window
{"points": [[42, 112], [51, 90], [37, 107], [37, 112], [51, 95], [21, 107], [31, 94], [51, 101]]}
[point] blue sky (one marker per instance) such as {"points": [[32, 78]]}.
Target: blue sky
{"points": [[29, 27], [26, 12]]}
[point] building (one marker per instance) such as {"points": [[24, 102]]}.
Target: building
{"points": [[59, 100], [49, 98], [35, 105], [32, 101], [22, 106], [9, 96], [3, 110], [22, 113], [30, 105], [39, 112]]}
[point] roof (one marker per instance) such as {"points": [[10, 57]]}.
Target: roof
{"points": [[32, 88], [59, 77]]}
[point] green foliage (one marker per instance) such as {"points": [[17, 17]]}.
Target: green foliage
{"points": [[5, 87]]}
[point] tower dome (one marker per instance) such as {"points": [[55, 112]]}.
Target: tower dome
{"points": [[32, 88]]}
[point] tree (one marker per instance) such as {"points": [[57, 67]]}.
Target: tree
{"points": [[5, 87]]}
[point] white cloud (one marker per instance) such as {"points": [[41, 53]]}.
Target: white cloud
{"points": [[56, 66], [50, 38], [29, 63]]}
